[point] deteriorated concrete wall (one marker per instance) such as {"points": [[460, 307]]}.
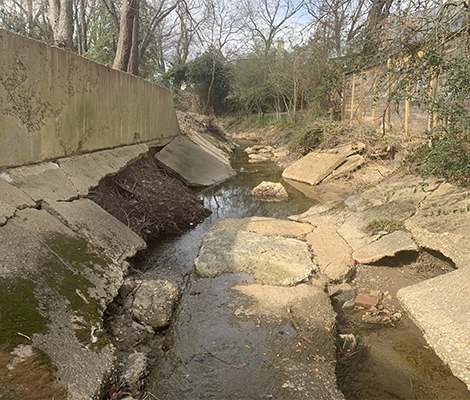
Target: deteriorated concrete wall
{"points": [[54, 103]]}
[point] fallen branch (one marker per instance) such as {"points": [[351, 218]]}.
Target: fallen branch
{"points": [[296, 326]]}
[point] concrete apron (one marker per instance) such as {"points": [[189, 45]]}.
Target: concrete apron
{"points": [[60, 266]]}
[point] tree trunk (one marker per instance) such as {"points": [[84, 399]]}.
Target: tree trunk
{"points": [[61, 19], [126, 34], [134, 58]]}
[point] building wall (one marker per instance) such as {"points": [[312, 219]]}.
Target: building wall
{"points": [[54, 103]]}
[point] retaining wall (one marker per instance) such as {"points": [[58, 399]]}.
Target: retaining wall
{"points": [[54, 103]]}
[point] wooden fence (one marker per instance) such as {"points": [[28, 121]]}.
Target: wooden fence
{"points": [[365, 103]]}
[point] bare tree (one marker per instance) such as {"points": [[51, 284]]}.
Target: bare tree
{"points": [[337, 21], [221, 27], [266, 18]]}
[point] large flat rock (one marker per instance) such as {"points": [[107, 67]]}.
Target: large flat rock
{"points": [[440, 307], [42, 181], [12, 199], [196, 166], [54, 288], [264, 226], [86, 171], [331, 252], [442, 223], [235, 340], [93, 223], [386, 246], [271, 260], [314, 167]]}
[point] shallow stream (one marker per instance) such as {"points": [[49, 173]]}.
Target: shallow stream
{"points": [[391, 363]]}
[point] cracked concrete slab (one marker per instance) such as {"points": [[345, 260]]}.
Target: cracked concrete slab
{"points": [[442, 223], [271, 260], [86, 171], [12, 199], [200, 169], [350, 164], [331, 252], [90, 221], [314, 167], [60, 286], [441, 309], [42, 181], [386, 246], [235, 340], [263, 226]]}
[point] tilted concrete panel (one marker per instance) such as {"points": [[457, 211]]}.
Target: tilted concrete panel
{"points": [[54, 103]]}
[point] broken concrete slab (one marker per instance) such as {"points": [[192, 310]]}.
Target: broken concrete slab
{"points": [[331, 252], [86, 171], [348, 149], [324, 192], [90, 221], [353, 230], [314, 167], [401, 188], [197, 170], [442, 223], [387, 246], [12, 199], [270, 191], [440, 308], [263, 226], [236, 340], [214, 145], [63, 285], [318, 214], [350, 164], [271, 260], [42, 181]]}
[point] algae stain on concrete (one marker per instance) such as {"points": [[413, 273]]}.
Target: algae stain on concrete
{"points": [[19, 312], [65, 273]]}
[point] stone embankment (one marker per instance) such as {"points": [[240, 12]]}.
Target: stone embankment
{"points": [[62, 262]]}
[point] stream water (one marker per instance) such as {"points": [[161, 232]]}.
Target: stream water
{"points": [[393, 363]]}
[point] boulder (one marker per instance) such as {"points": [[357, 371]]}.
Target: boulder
{"points": [[270, 191], [154, 302]]}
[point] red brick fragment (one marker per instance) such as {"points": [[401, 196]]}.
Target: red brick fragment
{"points": [[366, 301]]}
